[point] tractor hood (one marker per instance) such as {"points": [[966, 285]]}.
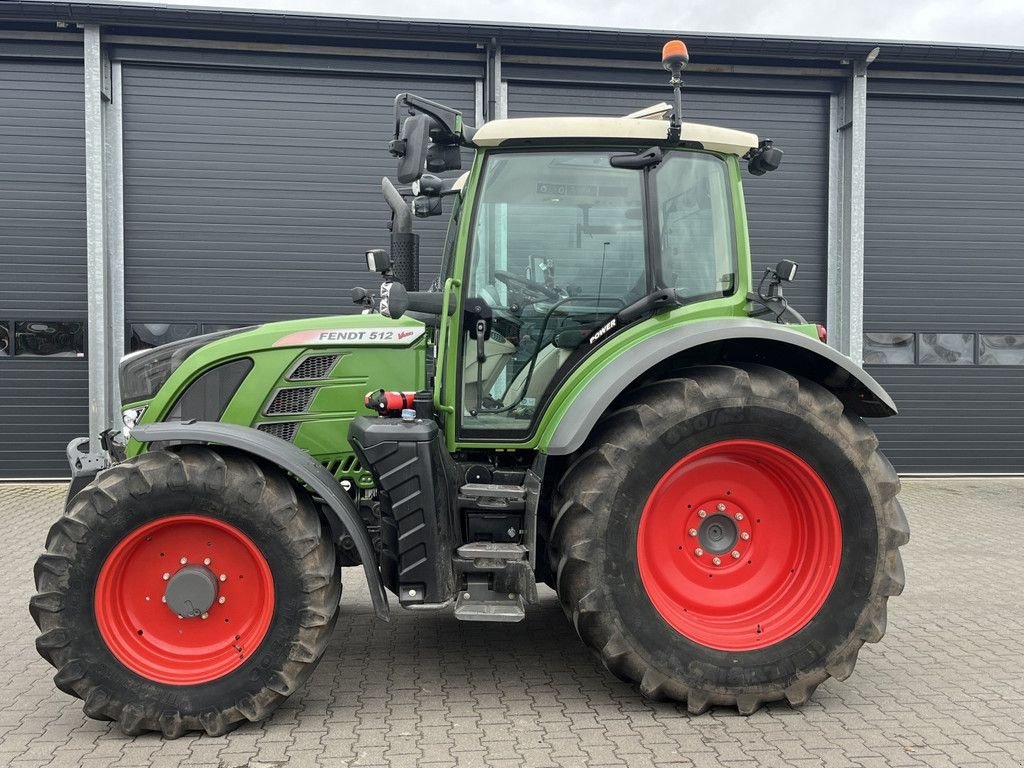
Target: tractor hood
{"points": [[300, 380]]}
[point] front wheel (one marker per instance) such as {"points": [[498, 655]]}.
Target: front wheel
{"points": [[186, 590], [729, 537]]}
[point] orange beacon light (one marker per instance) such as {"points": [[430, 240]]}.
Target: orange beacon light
{"points": [[674, 56]]}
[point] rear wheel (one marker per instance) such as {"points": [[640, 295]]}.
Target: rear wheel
{"points": [[729, 537], [186, 590]]}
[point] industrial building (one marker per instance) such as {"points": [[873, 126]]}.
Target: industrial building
{"points": [[169, 171]]}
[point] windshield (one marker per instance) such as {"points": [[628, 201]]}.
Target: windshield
{"points": [[566, 221], [559, 244]]}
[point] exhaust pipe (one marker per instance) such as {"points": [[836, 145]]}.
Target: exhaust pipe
{"points": [[405, 244]]}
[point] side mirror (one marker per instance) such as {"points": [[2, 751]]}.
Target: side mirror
{"points": [[394, 300], [414, 139], [378, 260]]}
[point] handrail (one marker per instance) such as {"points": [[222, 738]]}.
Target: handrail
{"points": [[442, 337]]}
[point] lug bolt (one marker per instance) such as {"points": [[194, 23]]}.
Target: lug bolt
{"points": [[698, 551], [721, 507], [222, 599], [716, 560], [205, 616], [735, 554], [702, 514], [167, 576], [739, 515], [183, 560], [412, 593], [693, 531], [511, 595], [206, 561], [466, 595], [223, 577], [745, 536]]}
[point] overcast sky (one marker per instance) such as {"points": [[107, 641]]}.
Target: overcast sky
{"points": [[995, 22]]}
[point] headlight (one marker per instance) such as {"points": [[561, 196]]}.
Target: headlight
{"points": [[129, 418], [143, 373]]}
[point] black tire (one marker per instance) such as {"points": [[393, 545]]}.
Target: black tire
{"points": [[260, 502], [602, 495]]}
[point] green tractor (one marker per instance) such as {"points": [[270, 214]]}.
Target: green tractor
{"points": [[596, 394]]}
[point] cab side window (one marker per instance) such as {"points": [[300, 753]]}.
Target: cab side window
{"points": [[695, 225]]}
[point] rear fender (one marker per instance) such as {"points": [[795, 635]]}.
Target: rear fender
{"points": [[718, 341], [342, 513]]}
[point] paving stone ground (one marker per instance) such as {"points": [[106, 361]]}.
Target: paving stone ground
{"points": [[944, 688]]}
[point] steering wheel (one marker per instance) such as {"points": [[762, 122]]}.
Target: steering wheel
{"points": [[531, 289]]}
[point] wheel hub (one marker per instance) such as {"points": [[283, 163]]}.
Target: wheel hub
{"points": [[720, 531], [191, 591], [717, 534]]}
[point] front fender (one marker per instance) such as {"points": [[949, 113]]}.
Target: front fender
{"points": [[345, 516], [720, 340]]}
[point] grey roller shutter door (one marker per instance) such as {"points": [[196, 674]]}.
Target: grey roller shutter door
{"points": [[251, 195], [787, 210], [43, 400], [944, 227]]}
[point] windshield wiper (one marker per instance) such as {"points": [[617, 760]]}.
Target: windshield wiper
{"points": [[661, 299], [638, 160]]}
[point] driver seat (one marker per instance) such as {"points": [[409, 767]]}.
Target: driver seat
{"points": [[550, 358]]}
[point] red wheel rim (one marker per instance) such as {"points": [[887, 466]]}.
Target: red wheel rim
{"points": [[739, 545], [154, 641]]}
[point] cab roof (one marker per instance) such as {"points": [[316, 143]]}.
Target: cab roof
{"points": [[646, 126]]}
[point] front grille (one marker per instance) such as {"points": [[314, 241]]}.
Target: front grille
{"points": [[313, 367], [284, 429], [295, 400]]}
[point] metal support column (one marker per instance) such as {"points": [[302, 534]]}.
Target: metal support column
{"points": [[105, 273], [113, 178], [848, 131]]}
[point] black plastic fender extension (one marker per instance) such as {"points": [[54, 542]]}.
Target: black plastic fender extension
{"points": [[734, 340], [344, 515]]}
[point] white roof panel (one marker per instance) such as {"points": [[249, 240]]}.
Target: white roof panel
{"points": [[711, 137]]}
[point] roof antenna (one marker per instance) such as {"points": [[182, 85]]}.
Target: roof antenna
{"points": [[675, 57]]}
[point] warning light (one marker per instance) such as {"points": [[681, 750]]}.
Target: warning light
{"points": [[674, 55]]}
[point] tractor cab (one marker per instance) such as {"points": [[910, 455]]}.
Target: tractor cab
{"points": [[565, 232], [564, 240]]}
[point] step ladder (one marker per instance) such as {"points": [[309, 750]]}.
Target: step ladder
{"points": [[478, 602]]}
